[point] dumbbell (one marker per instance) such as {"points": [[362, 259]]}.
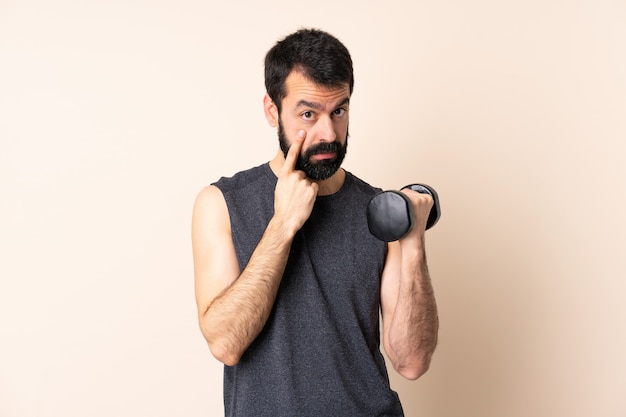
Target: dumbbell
{"points": [[390, 213]]}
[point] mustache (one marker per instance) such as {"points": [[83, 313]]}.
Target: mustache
{"points": [[322, 147]]}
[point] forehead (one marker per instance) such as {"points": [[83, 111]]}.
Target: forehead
{"points": [[299, 87]]}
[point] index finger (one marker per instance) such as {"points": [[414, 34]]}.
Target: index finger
{"points": [[294, 151]]}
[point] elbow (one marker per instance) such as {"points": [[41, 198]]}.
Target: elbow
{"points": [[223, 354], [219, 346], [413, 371], [411, 366], [413, 360]]}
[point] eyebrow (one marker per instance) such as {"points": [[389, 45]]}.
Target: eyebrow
{"points": [[318, 106]]}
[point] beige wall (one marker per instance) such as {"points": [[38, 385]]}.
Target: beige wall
{"points": [[113, 114]]}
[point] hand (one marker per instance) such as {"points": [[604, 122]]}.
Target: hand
{"points": [[295, 194], [421, 204]]}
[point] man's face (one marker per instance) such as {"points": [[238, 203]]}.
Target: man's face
{"points": [[323, 114], [310, 161]]}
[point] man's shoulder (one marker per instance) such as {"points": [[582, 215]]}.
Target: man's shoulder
{"points": [[361, 185], [246, 178]]}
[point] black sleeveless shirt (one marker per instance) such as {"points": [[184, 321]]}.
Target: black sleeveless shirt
{"points": [[319, 353]]}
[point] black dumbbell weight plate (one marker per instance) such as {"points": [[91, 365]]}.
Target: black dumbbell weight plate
{"points": [[389, 215]]}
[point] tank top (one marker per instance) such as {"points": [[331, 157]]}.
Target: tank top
{"points": [[319, 352]]}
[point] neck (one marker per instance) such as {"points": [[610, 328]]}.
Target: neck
{"points": [[326, 187]]}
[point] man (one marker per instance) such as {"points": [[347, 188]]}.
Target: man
{"points": [[289, 282]]}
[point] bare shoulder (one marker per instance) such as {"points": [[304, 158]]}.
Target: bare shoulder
{"points": [[210, 219], [210, 197]]}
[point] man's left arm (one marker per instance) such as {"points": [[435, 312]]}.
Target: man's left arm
{"points": [[409, 309]]}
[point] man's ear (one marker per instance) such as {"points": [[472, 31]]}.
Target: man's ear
{"points": [[271, 111]]}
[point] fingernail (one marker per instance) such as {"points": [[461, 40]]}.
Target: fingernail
{"points": [[301, 133]]}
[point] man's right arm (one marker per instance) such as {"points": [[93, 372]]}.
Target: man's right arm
{"points": [[234, 305]]}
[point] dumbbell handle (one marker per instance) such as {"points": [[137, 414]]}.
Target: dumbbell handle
{"points": [[435, 211]]}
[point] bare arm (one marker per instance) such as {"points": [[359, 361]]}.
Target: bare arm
{"points": [[409, 309], [234, 305]]}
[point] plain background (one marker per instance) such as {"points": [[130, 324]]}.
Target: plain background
{"points": [[114, 114]]}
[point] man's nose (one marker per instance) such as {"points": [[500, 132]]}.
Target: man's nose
{"points": [[326, 129]]}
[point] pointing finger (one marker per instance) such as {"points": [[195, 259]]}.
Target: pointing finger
{"points": [[294, 151]]}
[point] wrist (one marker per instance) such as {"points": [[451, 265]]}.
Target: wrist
{"points": [[414, 242], [281, 229]]}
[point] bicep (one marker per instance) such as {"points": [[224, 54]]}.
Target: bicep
{"points": [[390, 288], [214, 257]]}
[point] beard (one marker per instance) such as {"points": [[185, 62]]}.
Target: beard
{"points": [[316, 170]]}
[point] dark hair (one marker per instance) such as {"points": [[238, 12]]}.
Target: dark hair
{"points": [[318, 55]]}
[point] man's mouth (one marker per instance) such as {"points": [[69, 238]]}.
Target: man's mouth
{"points": [[324, 155]]}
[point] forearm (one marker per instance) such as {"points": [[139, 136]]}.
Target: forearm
{"points": [[412, 335], [237, 315]]}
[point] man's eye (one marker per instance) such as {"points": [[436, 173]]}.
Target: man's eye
{"points": [[307, 115], [340, 112]]}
